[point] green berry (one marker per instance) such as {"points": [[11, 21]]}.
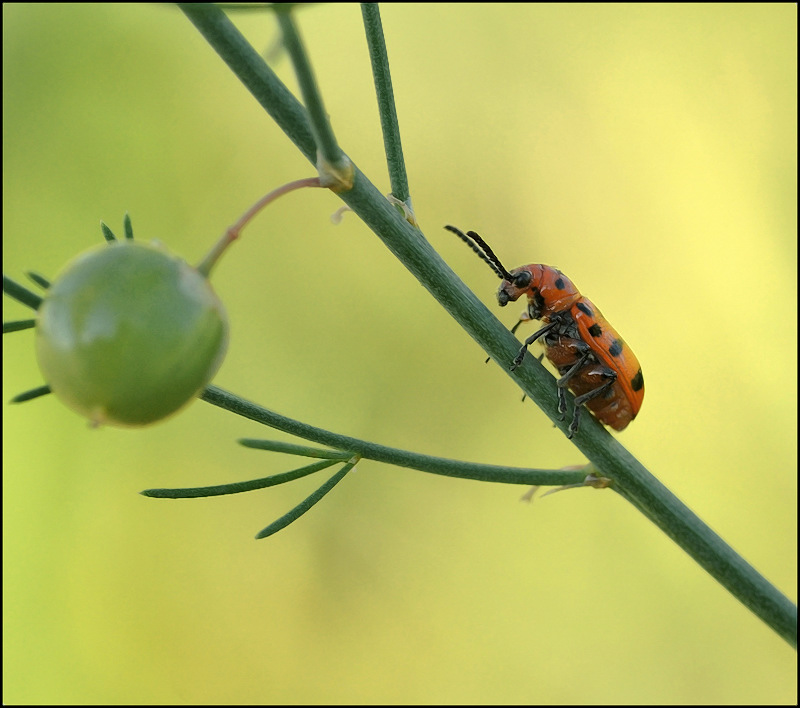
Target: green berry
{"points": [[129, 333]]}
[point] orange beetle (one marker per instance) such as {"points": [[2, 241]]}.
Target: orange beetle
{"points": [[592, 360]]}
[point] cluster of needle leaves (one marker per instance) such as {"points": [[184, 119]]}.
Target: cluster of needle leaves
{"points": [[393, 220]]}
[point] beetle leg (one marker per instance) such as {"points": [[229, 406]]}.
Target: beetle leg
{"points": [[530, 340], [580, 400], [563, 382], [524, 317]]}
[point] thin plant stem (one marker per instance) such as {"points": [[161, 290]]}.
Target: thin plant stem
{"points": [[380, 453], [253, 72], [386, 105], [330, 159], [306, 504], [238, 487], [294, 449], [234, 231]]}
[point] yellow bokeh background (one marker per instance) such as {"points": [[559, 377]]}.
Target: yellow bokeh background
{"points": [[649, 151]]}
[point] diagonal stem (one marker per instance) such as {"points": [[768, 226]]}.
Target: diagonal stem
{"points": [[610, 458]]}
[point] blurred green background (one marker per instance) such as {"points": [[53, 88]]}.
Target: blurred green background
{"points": [[648, 151]]}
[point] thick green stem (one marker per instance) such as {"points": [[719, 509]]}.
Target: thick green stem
{"points": [[612, 460]]}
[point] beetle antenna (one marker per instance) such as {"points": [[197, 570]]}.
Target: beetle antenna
{"points": [[485, 253]]}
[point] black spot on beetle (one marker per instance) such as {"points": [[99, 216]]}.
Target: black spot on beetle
{"points": [[595, 330], [616, 348], [560, 283], [585, 309], [637, 382]]}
